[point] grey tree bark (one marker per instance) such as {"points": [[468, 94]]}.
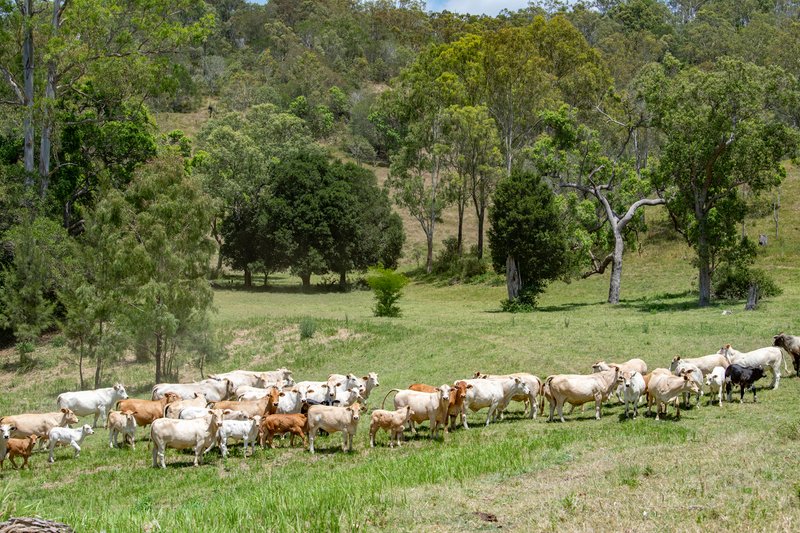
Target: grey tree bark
{"points": [[28, 75], [513, 278]]}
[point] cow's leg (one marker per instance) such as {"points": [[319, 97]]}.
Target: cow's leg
{"points": [[312, 434], [753, 386], [52, 444], [741, 392], [796, 363], [552, 408], [77, 447], [96, 415], [111, 443], [345, 436], [728, 390], [636, 406], [598, 401], [372, 430], [776, 375], [155, 456], [492, 410], [560, 406], [677, 411]]}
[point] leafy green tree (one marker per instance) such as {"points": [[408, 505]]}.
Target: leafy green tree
{"points": [[527, 236], [721, 133], [163, 253], [388, 288]]}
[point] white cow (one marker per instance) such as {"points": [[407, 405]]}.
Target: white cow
{"points": [[630, 365], [769, 357], [706, 364], [198, 434], [193, 413], [578, 389], [317, 391], [370, 381], [664, 387], [261, 379], [529, 401], [215, 390], [98, 402], [430, 406], [73, 437], [690, 369], [339, 382], [291, 401], [238, 430], [246, 393], [494, 394], [633, 387], [333, 419], [716, 383], [347, 397], [121, 422]]}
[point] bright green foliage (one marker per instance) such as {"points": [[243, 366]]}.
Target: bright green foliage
{"points": [[528, 230], [722, 132], [162, 255], [41, 255], [388, 288]]}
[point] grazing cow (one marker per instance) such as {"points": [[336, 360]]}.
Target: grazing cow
{"points": [[264, 406], [197, 434], [145, 411], [191, 413], [716, 383], [238, 430], [256, 379], [17, 448], [391, 421], [706, 364], [272, 425], [455, 405], [430, 406], [743, 376], [693, 371], [791, 344], [633, 387], [370, 381], [215, 390], [529, 401], [333, 419], [39, 424], [73, 437], [121, 422], [578, 389], [96, 402], [665, 387], [494, 394], [769, 357], [173, 410]]}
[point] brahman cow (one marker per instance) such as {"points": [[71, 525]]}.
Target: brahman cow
{"points": [[665, 387], [631, 365], [238, 430], [262, 379], [684, 367], [39, 424], [333, 419], [96, 402], [706, 364], [529, 401], [264, 406], [716, 384], [455, 404], [769, 357], [370, 381], [213, 389], [197, 434], [791, 344], [173, 410], [578, 389], [73, 437], [633, 387], [492, 393]]}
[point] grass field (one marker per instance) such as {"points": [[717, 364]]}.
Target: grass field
{"points": [[717, 468]]}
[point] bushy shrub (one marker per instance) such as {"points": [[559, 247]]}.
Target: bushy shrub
{"points": [[517, 305], [463, 268], [733, 283], [308, 326], [446, 260], [388, 288]]}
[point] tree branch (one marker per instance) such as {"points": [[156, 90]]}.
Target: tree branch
{"points": [[13, 84], [636, 205], [598, 266]]}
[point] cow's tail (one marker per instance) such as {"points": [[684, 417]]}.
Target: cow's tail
{"points": [[387, 395], [783, 358]]}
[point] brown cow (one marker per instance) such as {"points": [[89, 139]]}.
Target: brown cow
{"points": [[146, 411], [19, 448], [272, 425], [263, 407]]}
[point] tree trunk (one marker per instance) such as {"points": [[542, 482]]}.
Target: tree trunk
{"points": [[704, 260], [158, 354], [248, 278], [481, 216], [513, 278], [775, 207], [460, 242], [306, 279], [47, 119], [28, 76], [97, 370], [616, 268], [217, 238], [752, 298], [343, 279], [80, 363], [429, 263]]}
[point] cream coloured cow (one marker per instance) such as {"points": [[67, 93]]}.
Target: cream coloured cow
{"points": [[430, 406], [333, 419], [492, 394], [173, 410], [632, 384], [392, 421], [197, 434], [769, 357], [214, 390], [39, 424], [529, 401], [121, 422], [98, 402], [370, 381], [664, 388], [261, 379], [578, 389], [706, 364]]}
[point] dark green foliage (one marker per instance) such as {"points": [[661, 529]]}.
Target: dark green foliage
{"points": [[462, 267], [388, 288], [308, 326], [527, 225], [734, 282]]}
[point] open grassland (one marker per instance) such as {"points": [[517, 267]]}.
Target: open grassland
{"points": [[717, 468]]}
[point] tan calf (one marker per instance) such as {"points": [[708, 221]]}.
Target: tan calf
{"points": [[121, 423], [19, 448], [272, 425], [391, 421]]}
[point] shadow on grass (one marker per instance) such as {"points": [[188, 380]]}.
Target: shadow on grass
{"points": [[234, 284]]}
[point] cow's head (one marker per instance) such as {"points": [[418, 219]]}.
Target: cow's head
{"points": [[675, 362], [689, 383], [522, 387], [171, 397], [779, 340], [371, 379], [355, 409], [87, 429], [626, 378], [478, 375], [444, 393], [130, 420], [599, 366], [69, 416], [120, 392], [5, 431]]}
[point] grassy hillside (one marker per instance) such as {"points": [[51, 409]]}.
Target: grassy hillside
{"points": [[728, 467]]}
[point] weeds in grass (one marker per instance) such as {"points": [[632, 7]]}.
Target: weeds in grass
{"points": [[308, 326]]}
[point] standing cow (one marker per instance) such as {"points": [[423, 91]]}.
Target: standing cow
{"points": [[791, 344], [98, 402]]}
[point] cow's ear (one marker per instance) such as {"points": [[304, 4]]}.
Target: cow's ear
{"points": [[64, 410], [282, 394], [365, 378], [338, 384], [469, 386]]}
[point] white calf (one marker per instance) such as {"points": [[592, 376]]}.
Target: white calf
{"points": [[633, 387], [716, 383], [238, 430], [73, 437]]}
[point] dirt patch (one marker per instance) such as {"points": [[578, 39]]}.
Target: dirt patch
{"points": [[241, 337], [341, 334]]}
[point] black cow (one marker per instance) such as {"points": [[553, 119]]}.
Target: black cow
{"points": [[743, 376]]}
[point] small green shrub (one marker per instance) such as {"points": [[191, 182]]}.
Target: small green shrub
{"points": [[308, 326], [517, 305], [446, 260], [388, 288], [733, 283]]}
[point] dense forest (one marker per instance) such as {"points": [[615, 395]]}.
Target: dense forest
{"points": [[557, 125]]}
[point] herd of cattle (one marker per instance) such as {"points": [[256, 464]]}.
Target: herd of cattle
{"points": [[252, 406]]}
